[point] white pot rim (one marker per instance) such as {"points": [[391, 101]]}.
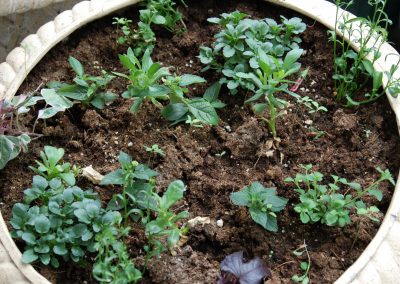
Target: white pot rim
{"points": [[379, 263]]}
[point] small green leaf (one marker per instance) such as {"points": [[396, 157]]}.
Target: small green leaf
{"points": [[376, 193], [29, 256], [173, 112], [76, 65], [116, 178], [60, 249]]}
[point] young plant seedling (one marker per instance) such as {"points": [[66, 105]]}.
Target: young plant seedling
{"points": [[270, 80], [331, 205], [87, 89], [352, 67], [62, 225], [140, 201], [155, 150], [50, 167], [113, 264], [13, 139], [150, 81], [263, 203], [158, 12], [239, 42], [304, 265]]}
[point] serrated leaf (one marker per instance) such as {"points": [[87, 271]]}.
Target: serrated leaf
{"points": [[203, 110], [189, 79]]}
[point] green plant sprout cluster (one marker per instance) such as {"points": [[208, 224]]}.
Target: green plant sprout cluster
{"points": [[258, 56], [158, 12], [88, 90], [149, 81], [353, 70], [59, 221], [263, 203], [332, 204], [304, 265]]}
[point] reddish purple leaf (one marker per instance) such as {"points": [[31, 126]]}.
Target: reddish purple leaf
{"points": [[234, 270]]}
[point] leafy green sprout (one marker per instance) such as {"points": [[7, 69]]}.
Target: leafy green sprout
{"points": [[263, 204], [351, 68], [221, 154], [304, 265], [150, 81], [51, 168], [330, 205], [87, 89], [269, 80], [155, 149]]}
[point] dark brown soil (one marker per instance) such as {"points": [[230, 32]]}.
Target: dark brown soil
{"points": [[95, 138]]}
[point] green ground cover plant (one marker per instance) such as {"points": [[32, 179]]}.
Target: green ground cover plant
{"points": [[156, 12], [263, 203], [332, 203]]}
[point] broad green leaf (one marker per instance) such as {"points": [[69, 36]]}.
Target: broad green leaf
{"points": [[212, 92], [240, 198], [60, 249], [203, 110], [54, 155], [291, 57], [42, 224], [173, 194], [144, 172], [116, 178], [56, 100], [188, 79], [29, 256], [124, 159], [49, 112], [376, 193], [173, 112], [29, 238], [76, 65], [228, 51]]}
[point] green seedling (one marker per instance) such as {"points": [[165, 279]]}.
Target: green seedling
{"points": [[87, 89], [270, 80], [332, 204], [239, 42], [312, 105], [113, 264], [220, 155], [263, 203], [150, 81], [63, 226], [50, 166], [315, 133], [304, 265], [141, 202], [353, 70], [155, 150]]}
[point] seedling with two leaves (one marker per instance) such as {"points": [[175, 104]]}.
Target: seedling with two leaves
{"points": [[330, 204], [263, 203]]}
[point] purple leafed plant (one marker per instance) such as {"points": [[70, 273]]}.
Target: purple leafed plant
{"points": [[234, 270]]}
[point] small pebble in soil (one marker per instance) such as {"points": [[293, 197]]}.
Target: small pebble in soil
{"points": [[308, 122], [130, 144], [220, 223]]}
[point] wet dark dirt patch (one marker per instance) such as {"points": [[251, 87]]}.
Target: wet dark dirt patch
{"points": [[355, 142]]}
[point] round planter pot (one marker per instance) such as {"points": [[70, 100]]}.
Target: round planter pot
{"points": [[379, 263]]}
